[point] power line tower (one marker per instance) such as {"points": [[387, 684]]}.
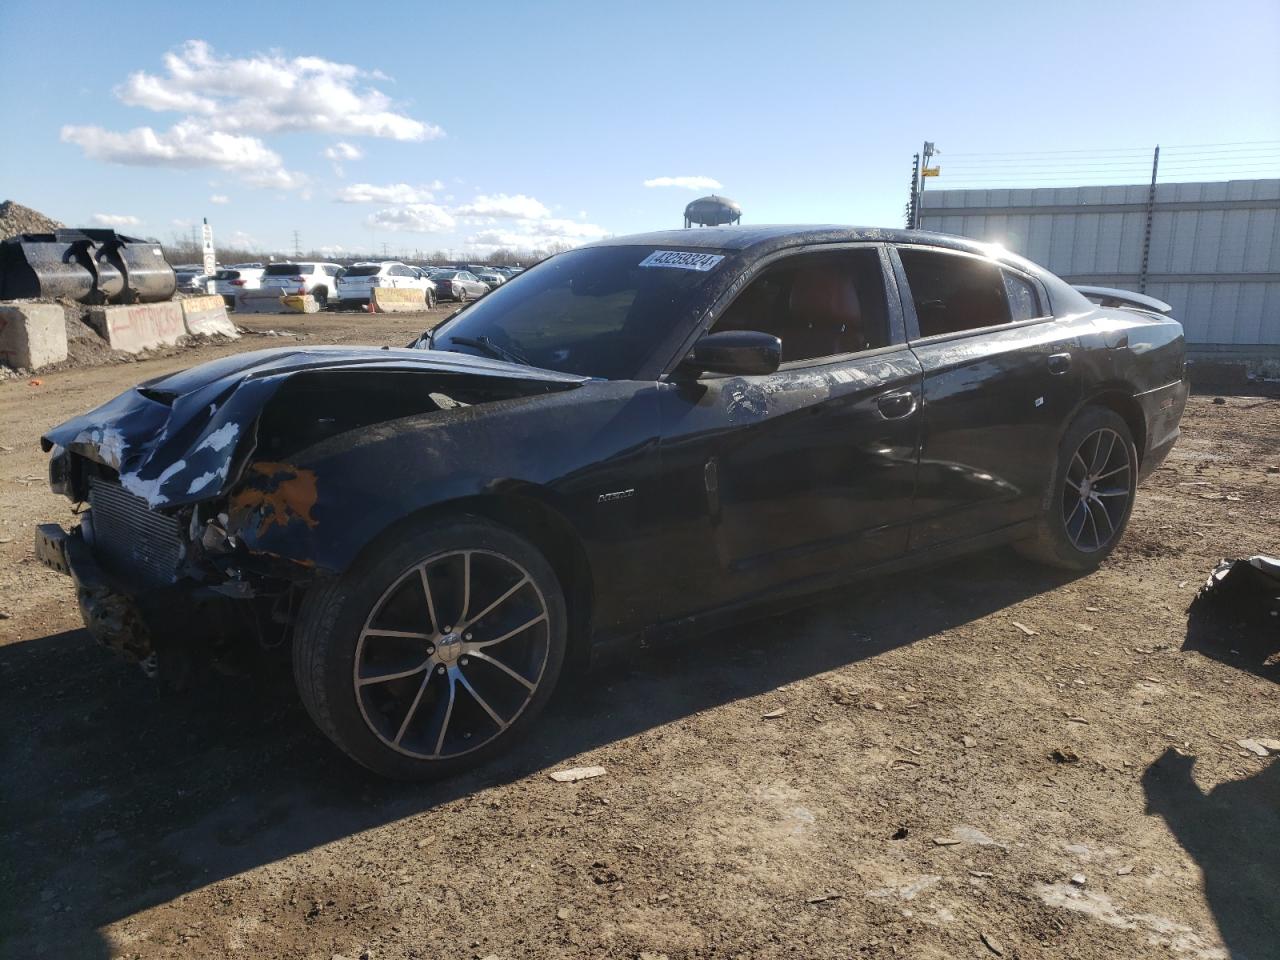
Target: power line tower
{"points": [[297, 245]]}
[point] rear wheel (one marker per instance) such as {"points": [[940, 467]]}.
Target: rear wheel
{"points": [[1091, 494], [321, 296], [436, 654]]}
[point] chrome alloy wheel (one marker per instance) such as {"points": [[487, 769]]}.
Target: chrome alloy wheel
{"points": [[1096, 493], [451, 654]]}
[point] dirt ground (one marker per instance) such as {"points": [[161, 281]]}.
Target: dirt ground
{"points": [[985, 759]]}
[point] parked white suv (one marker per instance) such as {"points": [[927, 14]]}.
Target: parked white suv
{"points": [[317, 279], [358, 281], [229, 281]]}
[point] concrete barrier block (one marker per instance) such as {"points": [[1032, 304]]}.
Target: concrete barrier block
{"points": [[32, 335], [397, 300], [300, 303], [207, 317], [139, 326], [259, 301]]}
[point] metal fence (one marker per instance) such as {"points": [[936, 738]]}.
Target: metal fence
{"points": [[1212, 250]]}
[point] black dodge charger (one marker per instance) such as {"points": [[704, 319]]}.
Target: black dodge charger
{"points": [[653, 434]]}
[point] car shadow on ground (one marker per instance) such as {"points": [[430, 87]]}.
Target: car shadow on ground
{"points": [[1233, 833], [115, 797]]}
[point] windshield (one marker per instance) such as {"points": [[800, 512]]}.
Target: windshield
{"points": [[597, 311]]}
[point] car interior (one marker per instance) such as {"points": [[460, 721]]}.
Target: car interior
{"points": [[818, 305]]}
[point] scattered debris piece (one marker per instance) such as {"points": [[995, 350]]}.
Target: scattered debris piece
{"points": [[775, 714], [900, 834], [36, 382], [564, 913], [1025, 629], [826, 897], [1247, 590], [1124, 871], [1254, 747], [1078, 880], [1077, 720], [877, 705], [946, 841], [1092, 609], [575, 774], [1220, 401], [5, 615], [969, 741], [981, 874], [1064, 755], [993, 944]]}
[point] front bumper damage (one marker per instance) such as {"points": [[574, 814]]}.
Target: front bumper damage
{"points": [[112, 616], [166, 628]]}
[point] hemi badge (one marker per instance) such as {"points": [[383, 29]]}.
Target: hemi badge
{"points": [[616, 495]]}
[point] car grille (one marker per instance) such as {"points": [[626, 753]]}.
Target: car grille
{"points": [[130, 539]]}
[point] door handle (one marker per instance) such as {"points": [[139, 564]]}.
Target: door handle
{"points": [[1059, 363], [895, 406]]}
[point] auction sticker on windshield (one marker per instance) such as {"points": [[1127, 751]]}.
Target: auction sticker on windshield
{"points": [[682, 260]]}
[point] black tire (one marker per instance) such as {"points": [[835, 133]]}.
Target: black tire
{"points": [[1090, 496], [349, 617]]}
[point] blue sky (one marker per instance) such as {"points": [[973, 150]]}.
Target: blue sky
{"points": [[464, 126]]}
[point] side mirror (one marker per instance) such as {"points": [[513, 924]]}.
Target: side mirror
{"points": [[741, 353]]}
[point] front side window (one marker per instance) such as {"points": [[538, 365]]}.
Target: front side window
{"points": [[954, 292], [817, 304]]}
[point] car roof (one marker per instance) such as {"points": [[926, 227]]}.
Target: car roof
{"points": [[757, 240]]}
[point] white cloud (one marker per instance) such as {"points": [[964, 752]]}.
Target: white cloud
{"points": [[413, 218], [187, 144], [391, 193], [538, 234], [219, 198], [343, 151], [688, 183], [339, 152], [506, 207], [270, 92], [115, 220]]}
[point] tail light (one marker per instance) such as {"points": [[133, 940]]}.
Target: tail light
{"points": [[237, 283]]}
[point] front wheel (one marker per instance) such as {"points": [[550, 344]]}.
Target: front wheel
{"points": [[434, 654], [1091, 494]]}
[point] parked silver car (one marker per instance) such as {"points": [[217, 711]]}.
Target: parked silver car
{"points": [[460, 285]]}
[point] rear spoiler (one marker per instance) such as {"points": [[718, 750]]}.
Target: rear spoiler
{"points": [[1111, 297]]}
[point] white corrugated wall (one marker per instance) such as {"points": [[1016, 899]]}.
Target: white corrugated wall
{"points": [[1214, 250]]}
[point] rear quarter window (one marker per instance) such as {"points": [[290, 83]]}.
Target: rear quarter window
{"points": [[1024, 302]]}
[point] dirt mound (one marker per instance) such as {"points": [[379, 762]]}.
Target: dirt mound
{"points": [[15, 219]]}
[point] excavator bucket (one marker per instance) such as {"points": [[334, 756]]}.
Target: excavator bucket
{"points": [[92, 266]]}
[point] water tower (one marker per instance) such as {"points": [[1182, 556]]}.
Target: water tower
{"points": [[712, 211]]}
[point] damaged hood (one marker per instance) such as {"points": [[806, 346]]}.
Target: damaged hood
{"points": [[183, 437]]}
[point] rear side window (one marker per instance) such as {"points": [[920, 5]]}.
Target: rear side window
{"points": [[953, 292], [1024, 302]]}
